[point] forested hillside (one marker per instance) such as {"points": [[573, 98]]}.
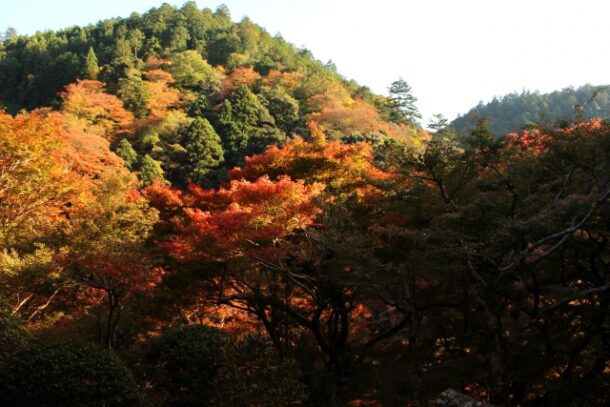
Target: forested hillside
{"points": [[515, 111], [194, 212]]}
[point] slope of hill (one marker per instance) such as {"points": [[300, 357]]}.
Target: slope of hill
{"points": [[170, 66], [514, 111]]}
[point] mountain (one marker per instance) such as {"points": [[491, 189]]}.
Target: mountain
{"points": [[512, 112], [170, 66]]}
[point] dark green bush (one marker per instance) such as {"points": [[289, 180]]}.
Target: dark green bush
{"points": [[255, 375], [184, 363], [66, 374]]}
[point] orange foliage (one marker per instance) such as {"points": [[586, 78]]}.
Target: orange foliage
{"points": [[34, 182], [101, 113], [83, 152], [153, 63], [244, 75], [287, 80], [356, 117], [161, 96], [343, 168], [246, 217]]}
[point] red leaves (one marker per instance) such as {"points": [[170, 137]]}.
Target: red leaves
{"points": [[533, 140], [122, 274], [344, 169], [538, 141], [246, 217]]}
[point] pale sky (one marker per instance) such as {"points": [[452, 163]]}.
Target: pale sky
{"points": [[452, 53]]}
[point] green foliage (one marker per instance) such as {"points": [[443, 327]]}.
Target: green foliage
{"points": [[247, 110], [191, 71], [150, 171], [251, 118], [163, 141], [66, 374], [235, 140], [122, 53], [136, 41], [221, 44], [283, 107], [134, 94], [197, 364], [185, 363], [203, 150], [401, 104], [90, 68], [512, 112], [200, 107], [438, 123], [255, 375], [127, 153]]}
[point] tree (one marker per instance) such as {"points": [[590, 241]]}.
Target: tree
{"points": [[438, 122], [13, 336], [136, 40], [255, 373], [283, 107], [179, 37], [103, 113], [402, 107], [191, 71], [105, 252], [200, 107], [203, 149], [234, 138], [90, 68], [253, 120], [123, 55], [150, 171], [34, 186], [185, 362], [134, 93], [68, 373], [161, 95], [127, 153]]}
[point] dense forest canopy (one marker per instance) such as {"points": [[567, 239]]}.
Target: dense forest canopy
{"points": [[194, 212], [515, 111]]}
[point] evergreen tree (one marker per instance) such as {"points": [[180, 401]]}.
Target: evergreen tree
{"points": [[203, 149], [234, 139], [136, 40], [127, 153], [200, 107], [283, 107], [134, 94], [150, 170], [253, 119], [122, 52], [402, 107], [248, 111], [438, 122], [91, 68]]}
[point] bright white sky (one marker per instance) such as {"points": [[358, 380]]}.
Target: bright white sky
{"points": [[452, 53]]}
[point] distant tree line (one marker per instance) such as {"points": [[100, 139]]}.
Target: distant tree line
{"points": [[515, 111]]}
